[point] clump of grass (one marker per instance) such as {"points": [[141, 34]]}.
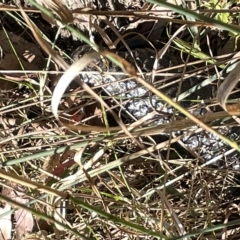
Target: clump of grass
{"points": [[120, 182]]}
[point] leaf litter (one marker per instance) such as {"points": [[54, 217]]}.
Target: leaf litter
{"points": [[133, 102], [24, 221]]}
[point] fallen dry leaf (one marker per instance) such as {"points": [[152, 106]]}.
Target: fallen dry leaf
{"points": [[5, 223], [24, 222], [29, 56], [26, 50], [24, 219], [58, 164]]}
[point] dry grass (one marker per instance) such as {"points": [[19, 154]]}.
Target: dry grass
{"points": [[89, 175]]}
